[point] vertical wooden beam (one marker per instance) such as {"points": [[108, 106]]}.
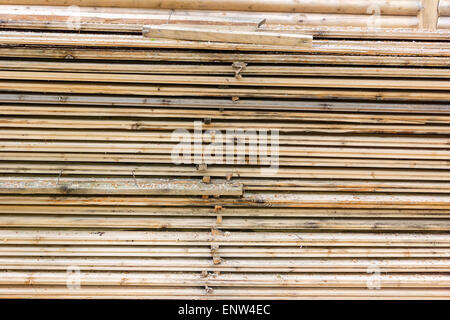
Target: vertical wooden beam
{"points": [[429, 14]]}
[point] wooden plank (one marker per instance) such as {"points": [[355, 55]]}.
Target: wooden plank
{"points": [[220, 69], [298, 82], [228, 36], [228, 223], [231, 238], [395, 48], [444, 23], [254, 104], [225, 280], [226, 212], [284, 139], [96, 292], [131, 20], [170, 125], [400, 7], [87, 177], [444, 8], [429, 14], [323, 265], [221, 171], [198, 56], [121, 186], [225, 252]]}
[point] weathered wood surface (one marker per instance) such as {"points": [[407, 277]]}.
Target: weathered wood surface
{"points": [[444, 7], [402, 7], [118, 186], [87, 179]]}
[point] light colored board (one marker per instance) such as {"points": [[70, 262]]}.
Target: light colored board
{"points": [[283, 161], [220, 69], [228, 36], [444, 23], [225, 252], [395, 48], [293, 265], [298, 82], [234, 238], [429, 14], [87, 177], [225, 212], [228, 223], [284, 139], [98, 292], [131, 20]]}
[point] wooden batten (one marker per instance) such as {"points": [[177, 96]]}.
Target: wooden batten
{"points": [[429, 15]]}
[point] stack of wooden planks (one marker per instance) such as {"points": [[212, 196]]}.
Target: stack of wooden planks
{"points": [[92, 204]]}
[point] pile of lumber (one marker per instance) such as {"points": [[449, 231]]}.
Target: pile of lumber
{"points": [[89, 100]]}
